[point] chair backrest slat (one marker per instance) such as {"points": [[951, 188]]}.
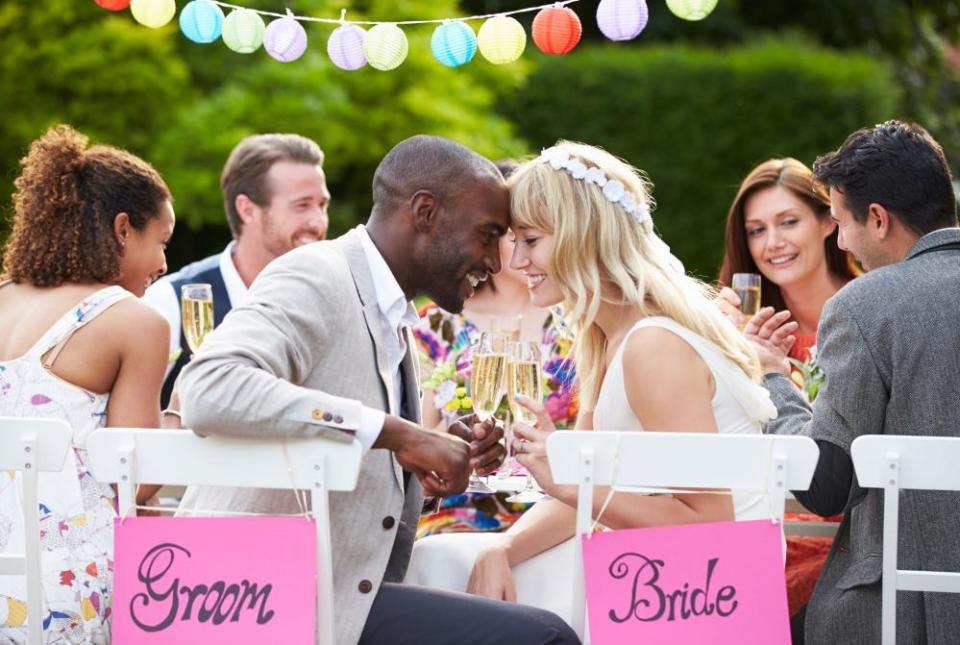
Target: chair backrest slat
{"points": [[53, 438], [926, 463], [181, 458], [673, 459]]}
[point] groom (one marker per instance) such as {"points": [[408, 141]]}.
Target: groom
{"points": [[322, 347]]}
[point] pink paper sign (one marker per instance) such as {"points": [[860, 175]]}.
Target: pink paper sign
{"points": [[214, 580], [719, 582]]}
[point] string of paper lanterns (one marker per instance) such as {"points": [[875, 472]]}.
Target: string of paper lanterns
{"points": [[501, 38]]}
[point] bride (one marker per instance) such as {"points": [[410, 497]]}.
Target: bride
{"points": [[653, 352]]}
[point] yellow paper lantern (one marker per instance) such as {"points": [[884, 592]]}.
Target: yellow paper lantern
{"points": [[501, 40], [153, 13], [691, 9], [385, 46]]}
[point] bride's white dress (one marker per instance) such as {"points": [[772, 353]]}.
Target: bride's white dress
{"points": [[444, 561]]}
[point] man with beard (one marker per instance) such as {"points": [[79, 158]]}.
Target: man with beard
{"points": [[322, 347], [276, 198]]}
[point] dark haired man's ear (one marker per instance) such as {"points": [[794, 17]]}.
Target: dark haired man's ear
{"points": [[879, 221], [424, 210]]}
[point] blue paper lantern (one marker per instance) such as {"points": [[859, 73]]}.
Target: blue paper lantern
{"points": [[201, 21], [453, 43]]}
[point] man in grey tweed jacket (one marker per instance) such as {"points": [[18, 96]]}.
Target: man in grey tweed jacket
{"points": [[889, 343]]}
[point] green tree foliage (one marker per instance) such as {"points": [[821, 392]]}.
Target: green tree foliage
{"points": [[697, 120]]}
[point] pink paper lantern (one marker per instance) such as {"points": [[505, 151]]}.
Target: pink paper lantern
{"points": [[622, 19], [285, 39], [345, 47]]}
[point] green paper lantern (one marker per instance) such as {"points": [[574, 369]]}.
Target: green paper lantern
{"points": [[243, 31], [153, 13], [385, 46], [691, 9]]}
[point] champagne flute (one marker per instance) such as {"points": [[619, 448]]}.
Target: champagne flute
{"points": [[747, 288], [196, 306], [525, 378], [487, 386]]}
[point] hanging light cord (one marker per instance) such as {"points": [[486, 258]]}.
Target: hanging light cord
{"points": [[341, 20]]}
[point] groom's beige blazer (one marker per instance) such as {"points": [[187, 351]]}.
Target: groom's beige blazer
{"points": [[298, 358]]}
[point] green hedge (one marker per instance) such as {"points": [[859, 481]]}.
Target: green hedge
{"points": [[697, 120]]}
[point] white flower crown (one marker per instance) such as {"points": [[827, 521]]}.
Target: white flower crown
{"points": [[613, 189]]}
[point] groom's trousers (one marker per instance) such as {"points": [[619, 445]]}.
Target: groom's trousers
{"points": [[410, 615]]}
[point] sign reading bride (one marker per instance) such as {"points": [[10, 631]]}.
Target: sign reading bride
{"points": [[716, 583], [214, 580]]}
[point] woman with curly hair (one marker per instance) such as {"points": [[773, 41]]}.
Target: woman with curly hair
{"points": [[90, 227]]}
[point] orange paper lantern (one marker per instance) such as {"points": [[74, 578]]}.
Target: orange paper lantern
{"points": [[556, 30], [114, 5]]}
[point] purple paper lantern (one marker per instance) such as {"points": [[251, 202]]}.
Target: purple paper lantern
{"points": [[285, 39], [622, 19], [345, 47]]}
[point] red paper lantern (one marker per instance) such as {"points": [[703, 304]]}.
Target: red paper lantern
{"points": [[556, 30], [114, 5]]}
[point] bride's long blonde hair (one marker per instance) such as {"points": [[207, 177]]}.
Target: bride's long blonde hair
{"points": [[602, 254]]}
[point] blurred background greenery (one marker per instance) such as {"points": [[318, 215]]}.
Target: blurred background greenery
{"points": [[696, 105]]}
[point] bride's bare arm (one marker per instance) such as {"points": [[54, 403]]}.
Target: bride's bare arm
{"points": [[670, 389]]}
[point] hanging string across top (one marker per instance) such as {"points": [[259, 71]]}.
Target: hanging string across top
{"points": [[501, 38]]}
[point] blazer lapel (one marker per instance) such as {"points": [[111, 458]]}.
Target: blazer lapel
{"points": [[357, 261]]}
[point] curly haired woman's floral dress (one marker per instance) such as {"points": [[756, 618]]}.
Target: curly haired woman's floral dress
{"points": [[445, 341], [76, 511]]}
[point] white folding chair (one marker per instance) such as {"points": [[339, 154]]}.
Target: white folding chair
{"points": [[31, 446], [176, 457], [674, 460], [893, 463]]}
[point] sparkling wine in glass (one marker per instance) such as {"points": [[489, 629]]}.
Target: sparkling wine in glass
{"points": [[196, 306], [488, 373], [525, 378], [747, 288]]}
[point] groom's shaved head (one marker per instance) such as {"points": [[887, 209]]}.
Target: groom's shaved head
{"points": [[439, 210], [443, 167]]}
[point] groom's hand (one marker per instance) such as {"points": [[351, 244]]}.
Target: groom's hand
{"points": [[486, 451], [439, 460]]}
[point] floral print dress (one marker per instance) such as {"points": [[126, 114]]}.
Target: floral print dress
{"points": [[76, 511], [446, 349]]}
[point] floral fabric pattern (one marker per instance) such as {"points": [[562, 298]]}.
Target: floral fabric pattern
{"points": [[76, 511], [446, 350]]}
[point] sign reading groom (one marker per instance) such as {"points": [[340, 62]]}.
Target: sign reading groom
{"points": [[322, 347]]}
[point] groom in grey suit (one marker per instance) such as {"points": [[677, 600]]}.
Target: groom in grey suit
{"points": [[889, 344], [322, 347]]}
